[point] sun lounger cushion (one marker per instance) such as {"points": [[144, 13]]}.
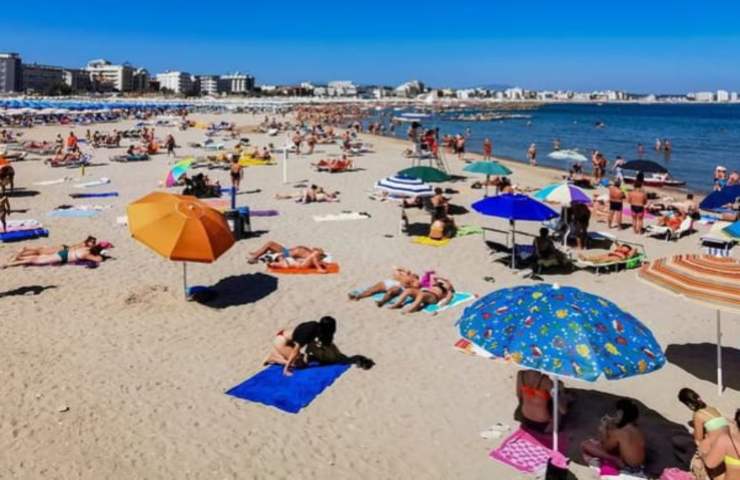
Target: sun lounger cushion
{"points": [[330, 268], [288, 393], [23, 235]]}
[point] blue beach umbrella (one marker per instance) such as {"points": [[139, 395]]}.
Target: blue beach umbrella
{"points": [[733, 230], [561, 331], [513, 207], [720, 198]]}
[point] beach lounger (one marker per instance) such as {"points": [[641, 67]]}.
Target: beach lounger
{"points": [[716, 245], [668, 233], [628, 263]]}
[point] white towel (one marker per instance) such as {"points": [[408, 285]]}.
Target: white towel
{"points": [[94, 183], [122, 220], [341, 217], [53, 182]]}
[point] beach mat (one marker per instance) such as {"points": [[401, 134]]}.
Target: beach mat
{"points": [[429, 242], [263, 213], [457, 299], [465, 230], [19, 225], [341, 217], [23, 235], [288, 393], [94, 195], [73, 213], [94, 183], [58, 181], [330, 268], [524, 453]]}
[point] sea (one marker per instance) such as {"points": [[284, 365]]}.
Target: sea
{"points": [[702, 135]]}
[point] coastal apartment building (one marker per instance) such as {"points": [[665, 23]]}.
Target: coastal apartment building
{"points": [[41, 78], [176, 82], [140, 80], [11, 73], [236, 83], [108, 77], [208, 84]]}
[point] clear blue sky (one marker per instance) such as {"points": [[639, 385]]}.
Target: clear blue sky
{"points": [[643, 46]]}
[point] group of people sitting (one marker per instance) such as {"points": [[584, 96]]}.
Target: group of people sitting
{"points": [[276, 255], [99, 139], [89, 251], [201, 186], [407, 289], [312, 194]]}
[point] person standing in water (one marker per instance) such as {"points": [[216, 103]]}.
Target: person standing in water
{"points": [[640, 150], [532, 155], [487, 149]]}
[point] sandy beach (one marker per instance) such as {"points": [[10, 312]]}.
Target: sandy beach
{"points": [[110, 373]]}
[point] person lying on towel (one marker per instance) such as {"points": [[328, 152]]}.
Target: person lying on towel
{"points": [[440, 292], [400, 279], [279, 256], [314, 194], [25, 252], [93, 255]]}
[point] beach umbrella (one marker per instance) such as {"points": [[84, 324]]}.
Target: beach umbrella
{"points": [[513, 207], [562, 193], [425, 174], [732, 230], [488, 168], [720, 198], [711, 281], [568, 155], [179, 227], [562, 332], [178, 170], [401, 186], [645, 166]]}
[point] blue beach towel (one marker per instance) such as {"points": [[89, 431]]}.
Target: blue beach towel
{"points": [[288, 393], [458, 299], [72, 213], [94, 195], [23, 235]]}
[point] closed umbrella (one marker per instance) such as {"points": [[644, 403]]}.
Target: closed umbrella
{"points": [[563, 332], [513, 207], [712, 281], [179, 227], [425, 174], [489, 168]]}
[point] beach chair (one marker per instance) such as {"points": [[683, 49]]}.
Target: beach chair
{"points": [[670, 234], [612, 266]]}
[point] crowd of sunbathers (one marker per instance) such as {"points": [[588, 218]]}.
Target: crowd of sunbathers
{"points": [[405, 288], [89, 252]]}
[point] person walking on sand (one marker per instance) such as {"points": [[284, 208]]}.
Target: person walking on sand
{"points": [[637, 199], [460, 147], [170, 144], [487, 149], [532, 155], [236, 173]]}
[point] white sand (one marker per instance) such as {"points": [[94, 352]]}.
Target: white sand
{"points": [[143, 373]]}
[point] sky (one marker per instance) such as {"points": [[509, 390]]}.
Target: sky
{"points": [[643, 46]]}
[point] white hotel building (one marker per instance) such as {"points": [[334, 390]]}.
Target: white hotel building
{"points": [[176, 82]]}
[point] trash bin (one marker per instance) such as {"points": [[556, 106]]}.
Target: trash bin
{"points": [[236, 223]]}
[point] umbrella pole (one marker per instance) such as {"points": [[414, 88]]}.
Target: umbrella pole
{"points": [[513, 244], [487, 177], [555, 412], [719, 354], [285, 164], [185, 278]]}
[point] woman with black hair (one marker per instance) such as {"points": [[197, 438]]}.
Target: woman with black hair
{"points": [[620, 441], [708, 422], [288, 347]]}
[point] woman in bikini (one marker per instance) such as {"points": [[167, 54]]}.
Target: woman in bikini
{"points": [[621, 252], [283, 257], [709, 425], [26, 252], [725, 452], [535, 402], [440, 292], [288, 344], [391, 287], [62, 257]]}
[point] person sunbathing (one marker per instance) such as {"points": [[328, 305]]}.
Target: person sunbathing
{"points": [[313, 194], [725, 450], [279, 256], [62, 257], [334, 165], [535, 402], [26, 252], [400, 279], [620, 441], [442, 226], [288, 344], [440, 293], [621, 252], [672, 221]]}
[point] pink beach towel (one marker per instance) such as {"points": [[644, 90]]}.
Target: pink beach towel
{"points": [[608, 469], [524, 453]]}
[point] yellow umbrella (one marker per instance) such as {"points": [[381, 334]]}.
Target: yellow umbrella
{"points": [[179, 227]]}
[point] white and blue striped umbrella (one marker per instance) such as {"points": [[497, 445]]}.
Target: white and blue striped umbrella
{"points": [[405, 187]]}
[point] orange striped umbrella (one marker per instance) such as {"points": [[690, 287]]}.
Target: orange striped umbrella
{"points": [[179, 227], [712, 281]]}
